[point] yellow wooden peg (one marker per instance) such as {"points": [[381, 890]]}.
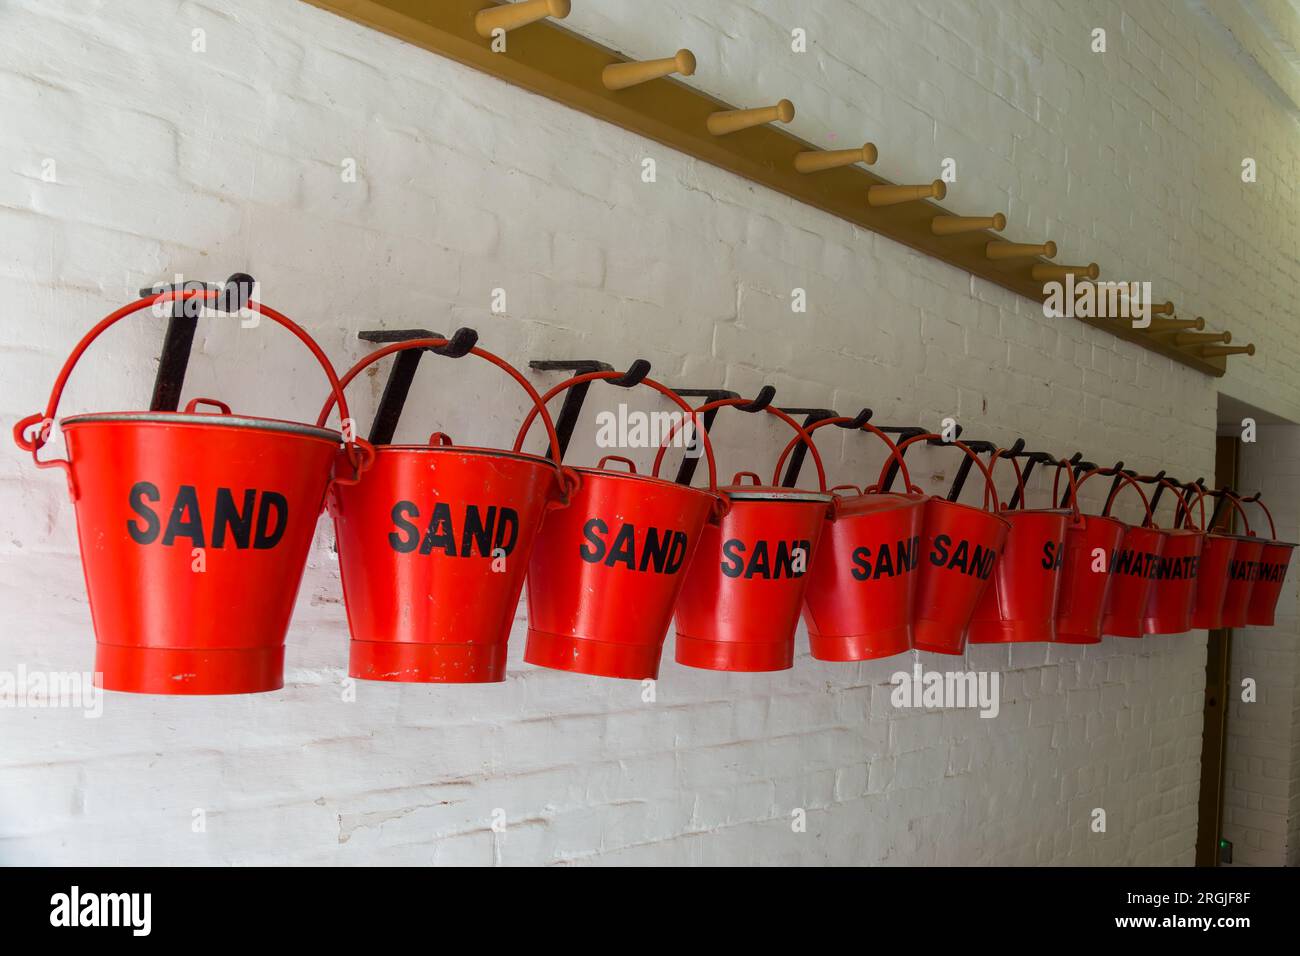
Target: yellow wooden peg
{"points": [[815, 160], [511, 16], [1042, 272], [1019, 250], [733, 121], [894, 195], [956, 225], [619, 76]]}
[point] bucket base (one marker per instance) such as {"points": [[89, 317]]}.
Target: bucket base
{"points": [[861, 647], [937, 637], [1011, 632], [189, 670], [1205, 623], [734, 655], [1115, 628], [1076, 637], [1260, 620], [599, 658], [416, 663], [1153, 626]]}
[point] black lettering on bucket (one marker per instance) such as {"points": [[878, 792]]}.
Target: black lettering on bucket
{"points": [[141, 491], [259, 522], [662, 552]]}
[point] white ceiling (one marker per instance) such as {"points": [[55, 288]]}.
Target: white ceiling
{"points": [[1264, 37]]}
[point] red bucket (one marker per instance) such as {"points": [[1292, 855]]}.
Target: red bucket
{"points": [[858, 604], [606, 571], [739, 607], [1019, 605], [960, 546], [1090, 546], [1169, 605], [1243, 571], [194, 529], [434, 544], [1133, 567], [1273, 563]]}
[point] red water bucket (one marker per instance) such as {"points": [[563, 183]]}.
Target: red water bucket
{"points": [[1243, 571], [606, 571], [960, 545], [1169, 605], [858, 602], [434, 544], [1132, 567], [194, 529], [1273, 563], [1090, 546], [1217, 554], [1019, 605], [739, 607]]}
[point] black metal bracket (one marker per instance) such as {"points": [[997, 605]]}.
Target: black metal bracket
{"points": [[1032, 458], [576, 396], [1078, 466], [393, 399], [811, 417], [967, 462], [686, 470], [904, 432], [178, 340]]}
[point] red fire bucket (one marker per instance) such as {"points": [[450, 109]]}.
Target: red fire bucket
{"points": [[606, 571], [1019, 605], [960, 549], [739, 607], [1090, 546], [434, 544], [1243, 571], [1217, 555], [1169, 605], [1133, 567], [858, 602], [194, 529], [1273, 563]]}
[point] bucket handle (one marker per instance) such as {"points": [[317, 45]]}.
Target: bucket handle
{"points": [[360, 454], [991, 491], [1127, 480], [192, 406], [722, 504], [801, 435], [1272, 528], [894, 454], [631, 465], [1235, 500], [1020, 481], [568, 479], [1182, 510]]}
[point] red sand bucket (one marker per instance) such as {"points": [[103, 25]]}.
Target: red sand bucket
{"points": [[434, 544], [1169, 606], [858, 601], [1019, 605], [606, 570], [1273, 563], [1132, 567], [1217, 555], [1090, 546], [739, 607], [1243, 571], [194, 529], [960, 548]]}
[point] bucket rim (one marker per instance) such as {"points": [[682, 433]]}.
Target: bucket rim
{"points": [[940, 500], [743, 493], [1270, 542], [192, 418], [594, 472], [479, 450]]}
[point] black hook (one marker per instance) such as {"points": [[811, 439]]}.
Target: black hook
{"points": [[686, 470], [460, 344], [967, 462], [761, 401], [811, 417], [904, 432], [635, 374], [859, 420]]}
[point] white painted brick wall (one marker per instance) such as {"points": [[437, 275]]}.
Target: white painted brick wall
{"points": [[171, 161]]}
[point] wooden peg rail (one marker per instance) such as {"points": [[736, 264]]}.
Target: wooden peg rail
{"points": [[543, 57]]}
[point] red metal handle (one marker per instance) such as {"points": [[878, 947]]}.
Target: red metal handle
{"points": [[800, 436], [853, 488], [568, 478], [866, 427], [191, 407], [1182, 510], [441, 440], [631, 465], [735, 479], [357, 454], [1020, 481], [1129, 481], [664, 390], [1272, 528], [1235, 500], [991, 492]]}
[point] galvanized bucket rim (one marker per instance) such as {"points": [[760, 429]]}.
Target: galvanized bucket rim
{"points": [[194, 418]]}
